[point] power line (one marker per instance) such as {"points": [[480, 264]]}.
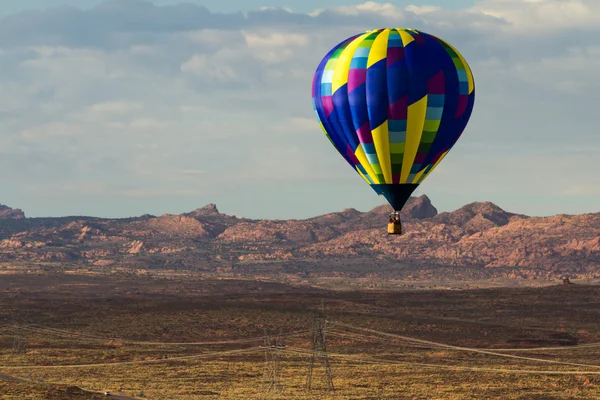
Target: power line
{"points": [[272, 373], [407, 343], [467, 349], [64, 333], [358, 359], [19, 345], [319, 349], [216, 354]]}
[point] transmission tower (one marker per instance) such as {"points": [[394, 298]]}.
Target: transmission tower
{"points": [[319, 349], [272, 371], [19, 340]]}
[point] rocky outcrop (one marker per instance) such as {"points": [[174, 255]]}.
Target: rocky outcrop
{"points": [[419, 208], [136, 247], [477, 240], [11, 213], [415, 208], [177, 225], [209, 209]]}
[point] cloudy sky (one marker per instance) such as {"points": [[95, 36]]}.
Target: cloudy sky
{"points": [[125, 107]]}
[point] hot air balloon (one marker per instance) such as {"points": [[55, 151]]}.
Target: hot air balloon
{"points": [[393, 102]]}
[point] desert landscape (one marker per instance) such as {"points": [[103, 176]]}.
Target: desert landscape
{"points": [[75, 337], [209, 306], [175, 184], [479, 241]]}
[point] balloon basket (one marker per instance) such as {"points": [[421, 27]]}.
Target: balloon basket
{"points": [[395, 226]]}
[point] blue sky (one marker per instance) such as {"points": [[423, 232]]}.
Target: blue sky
{"points": [[126, 107]]}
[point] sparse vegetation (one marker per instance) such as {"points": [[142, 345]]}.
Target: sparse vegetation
{"points": [[108, 320]]}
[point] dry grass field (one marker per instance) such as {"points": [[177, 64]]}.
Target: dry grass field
{"points": [[75, 336]]}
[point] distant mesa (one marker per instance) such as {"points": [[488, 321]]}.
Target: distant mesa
{"points": [[209, 209], [11, 213], [415, 208], [419, 208], [482, 215]]}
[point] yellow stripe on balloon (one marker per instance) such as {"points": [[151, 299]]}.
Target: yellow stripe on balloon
{"points": [[379, 48], [342, 68], [467, 68], [406, 37], [362, 158], [381, 139], [418, 175], [414, 130], [434, 165], [363, 176]]}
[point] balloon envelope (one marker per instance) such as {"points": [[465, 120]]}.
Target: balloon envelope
{"points": [[393, 102]]}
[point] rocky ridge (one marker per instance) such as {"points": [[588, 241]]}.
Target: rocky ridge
{"points": [[479, 240], [10, 213]]}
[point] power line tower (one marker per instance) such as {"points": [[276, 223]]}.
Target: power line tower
{"points": [[319, 349], [19, 340], [272, 371]]}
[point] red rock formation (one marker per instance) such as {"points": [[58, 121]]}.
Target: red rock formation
{"points": [[478, 240], [10, 213]]}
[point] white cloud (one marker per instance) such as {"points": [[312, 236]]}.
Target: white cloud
{"points": [[191, 102], [50, 131], [422, 9], [387, 10], [274, 47], [215, 38], [541, 15], [209, 67], [114, 107], [265, 8], [276, 39]]}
